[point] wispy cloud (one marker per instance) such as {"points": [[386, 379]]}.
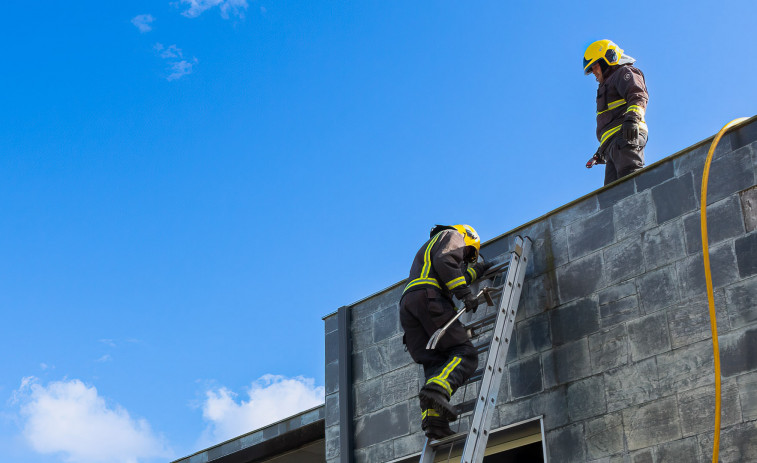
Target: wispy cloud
{"points": [[270, 399], [142, 22], [105, 358], [70, 417], [227, 7], [178, 66]]}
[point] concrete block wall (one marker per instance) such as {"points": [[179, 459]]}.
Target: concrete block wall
{"points": [[612, 343]]}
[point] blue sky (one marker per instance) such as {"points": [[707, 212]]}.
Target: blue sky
{"points": [[188, 187]]}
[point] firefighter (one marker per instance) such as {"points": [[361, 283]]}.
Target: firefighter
{"points": [[444, 266], [621, 104]]}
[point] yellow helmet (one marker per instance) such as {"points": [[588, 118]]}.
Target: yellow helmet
{"points": [[601, 49], [471, 239]]}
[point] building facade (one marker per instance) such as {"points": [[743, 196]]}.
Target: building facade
{"points": [[612, 356]]}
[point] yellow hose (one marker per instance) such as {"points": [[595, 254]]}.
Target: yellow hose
{"points": [[708, 279]]}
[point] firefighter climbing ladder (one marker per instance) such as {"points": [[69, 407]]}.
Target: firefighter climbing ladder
{"points": [[491, 376]]}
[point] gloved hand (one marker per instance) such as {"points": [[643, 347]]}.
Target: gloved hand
{"points": [[486, 266], [596, 159], [471, 303], [630, 131]]}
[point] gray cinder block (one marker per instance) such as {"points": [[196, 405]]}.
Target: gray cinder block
{"points": [[587, 235], [658, 289], [648, 336], [609, 349], [697, 409], [604, 435], [746, 252], [633, 384], [624, 260], [566, 445], [566, 363], [581, 277], [724, 221], [652, 423], [737, 352], [634, 215], [663, 245], [686, 368], [525, 377], [674, 198], [586, 398], [574, 320], [723, 268]]}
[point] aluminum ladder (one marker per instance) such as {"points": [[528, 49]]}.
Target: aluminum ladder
{"points": [[491, 375]]}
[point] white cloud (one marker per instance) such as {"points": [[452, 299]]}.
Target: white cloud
{"points": [[142, 22], [69, 417], [198, 7], [105, 358], [177, 65], [271, 398], [180, 69]]}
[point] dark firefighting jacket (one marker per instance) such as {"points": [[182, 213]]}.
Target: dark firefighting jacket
{"points": [[439, 264], [622, 96]]}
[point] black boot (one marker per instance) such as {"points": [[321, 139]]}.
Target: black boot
{"points": [[436, 427], [438, 400]]}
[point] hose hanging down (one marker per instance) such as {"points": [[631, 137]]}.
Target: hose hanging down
{"points": [[708, 280]]}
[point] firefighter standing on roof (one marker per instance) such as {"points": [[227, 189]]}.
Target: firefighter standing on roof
{"points": [[444, 266], [621, 104]]}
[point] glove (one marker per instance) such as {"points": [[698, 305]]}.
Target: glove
{"points": [[596, 159], [471, 303], [630, 131], [486, 266]]}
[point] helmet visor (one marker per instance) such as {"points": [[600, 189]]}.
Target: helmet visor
{"points": [[587, 66]]}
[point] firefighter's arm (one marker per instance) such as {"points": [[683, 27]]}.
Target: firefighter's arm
{"points": [[447, 259], [634, 90], [476, 270]]}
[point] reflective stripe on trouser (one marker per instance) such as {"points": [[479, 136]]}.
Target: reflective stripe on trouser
{"points": [[442, 378], [429, 413], [453, 373]]}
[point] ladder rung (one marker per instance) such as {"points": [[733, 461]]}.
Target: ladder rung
{"points": [[478, 374], [466, 406], [459, 437], [489, 320]]}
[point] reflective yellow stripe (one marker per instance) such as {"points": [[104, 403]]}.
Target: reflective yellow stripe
{"points": [[427, 257], [636, 109], [612, 105], [441, 378], [608, 134], [429, 412], [472, 273], [452, 284], [424, 279]]}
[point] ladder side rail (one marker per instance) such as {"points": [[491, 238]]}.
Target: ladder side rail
{"points": [[475, 445], [429, 453]]}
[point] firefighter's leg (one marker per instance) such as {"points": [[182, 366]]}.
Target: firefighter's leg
{"points": [[442, 380], [630, 157]]}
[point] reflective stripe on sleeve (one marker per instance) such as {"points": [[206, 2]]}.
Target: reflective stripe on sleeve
{"points": [[452, 284], [472, 273], [612, 105], [637, 109]]}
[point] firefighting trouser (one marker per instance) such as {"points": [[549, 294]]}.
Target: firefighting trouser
{"points": [[454, 360], [623, 158]]}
